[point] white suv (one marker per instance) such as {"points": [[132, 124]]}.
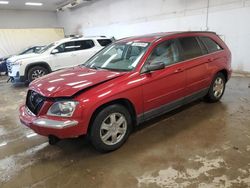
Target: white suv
{"points": [[62, 54]]}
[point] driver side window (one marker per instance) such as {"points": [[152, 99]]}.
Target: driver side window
{"points": [[166, 52], [66, 47], [60, 48]]}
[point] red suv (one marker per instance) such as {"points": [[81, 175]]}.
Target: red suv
{"points": [[125, 84]]}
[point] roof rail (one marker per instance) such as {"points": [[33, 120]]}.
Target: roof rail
{"points": [[77, 36], [102, 36], [197, 32]]}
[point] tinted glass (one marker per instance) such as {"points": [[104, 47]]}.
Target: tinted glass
{"points": [[211, 45], [75, 45], [69, 46], [46, 48], [84, 44], [66, 47], [60, 48], [104, 42], [190, 47], [166, 52]]}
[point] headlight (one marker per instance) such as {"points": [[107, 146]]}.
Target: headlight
{"points": [[62, 108]]}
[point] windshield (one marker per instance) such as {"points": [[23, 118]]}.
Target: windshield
{"points": [[34, 49], [118, 56], [45, 48], [26, 51]]}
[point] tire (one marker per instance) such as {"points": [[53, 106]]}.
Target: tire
{"points": [[217, 88], [110, 129], [36, 72]]}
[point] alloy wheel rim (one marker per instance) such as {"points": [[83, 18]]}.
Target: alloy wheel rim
{"points": [[37, 73], [113, 128], [218, 87]]}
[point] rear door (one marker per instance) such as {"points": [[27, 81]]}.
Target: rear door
{"points": [[164, 89], [84, 50], [193, 55], [215, 56]]}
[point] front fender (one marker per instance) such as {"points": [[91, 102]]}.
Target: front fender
{"points": [[42, 63]]}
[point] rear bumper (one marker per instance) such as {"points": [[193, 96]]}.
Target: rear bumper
{"points": [[65, 128]]}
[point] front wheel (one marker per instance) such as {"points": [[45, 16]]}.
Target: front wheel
{"points": [[110, 128], [217, 88], [36, 72]]}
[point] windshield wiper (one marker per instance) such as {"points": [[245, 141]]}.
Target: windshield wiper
{"points": [[93, 67], [116, 70]]}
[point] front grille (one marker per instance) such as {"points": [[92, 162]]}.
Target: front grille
{"points": [[34, 101], [8, 66]]}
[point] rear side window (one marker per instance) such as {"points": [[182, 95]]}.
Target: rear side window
{"points": [[190, 48], [104, 42], [84, 44], [210, 44]]}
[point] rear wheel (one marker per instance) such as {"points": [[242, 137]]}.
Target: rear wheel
{"points": [[110, 128], [217, 88], [36, 72]]}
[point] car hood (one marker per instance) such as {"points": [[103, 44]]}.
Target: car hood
{"points": [[21, 57], [68, 82]]}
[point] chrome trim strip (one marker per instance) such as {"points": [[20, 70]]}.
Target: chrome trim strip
{"points": [[49, 123]]}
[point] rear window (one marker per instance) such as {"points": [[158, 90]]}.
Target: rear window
{"points": [[190, 48], [104, 42], [210, 44]]}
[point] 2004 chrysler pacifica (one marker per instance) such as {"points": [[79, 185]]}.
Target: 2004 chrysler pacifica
{"points": [[126, 83]]}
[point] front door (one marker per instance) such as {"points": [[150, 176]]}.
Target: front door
{"points": [[164, 89], [66, 56]]}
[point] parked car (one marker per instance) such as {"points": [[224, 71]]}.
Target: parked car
{"points": [[125, 84], [3, 67], [62, 54], [3, 61]]}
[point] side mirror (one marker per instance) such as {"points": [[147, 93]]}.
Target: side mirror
{"points": [[154, 66], [54, 51]]}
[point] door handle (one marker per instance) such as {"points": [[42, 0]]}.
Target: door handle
{"points": [[178, 70]]}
